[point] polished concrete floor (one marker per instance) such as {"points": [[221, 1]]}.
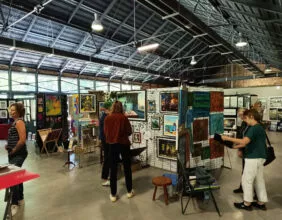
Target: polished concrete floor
{"points": [[78, 194]]}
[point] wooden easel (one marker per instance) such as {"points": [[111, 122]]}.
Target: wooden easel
{"points": [[49, 135]]}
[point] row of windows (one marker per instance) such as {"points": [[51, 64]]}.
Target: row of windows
{"points": [[25, 82]]}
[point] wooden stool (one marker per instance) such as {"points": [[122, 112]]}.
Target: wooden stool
{"points": [[161, 181]]}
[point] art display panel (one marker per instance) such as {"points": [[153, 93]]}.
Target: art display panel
{"points": [[166, 148], [169, 102], [87, 103], [53, 105], [134, 104]]}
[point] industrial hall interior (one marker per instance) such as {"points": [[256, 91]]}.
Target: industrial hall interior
{"points": [[140, 109]]}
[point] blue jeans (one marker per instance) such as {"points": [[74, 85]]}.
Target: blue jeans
{"points": [[17, 190]]}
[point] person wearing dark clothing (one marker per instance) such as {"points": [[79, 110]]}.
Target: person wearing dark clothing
{"points": [[105, 148], [117, 128], [17, 151]]}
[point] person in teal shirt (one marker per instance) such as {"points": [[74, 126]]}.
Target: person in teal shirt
{"points": [[255, 153]]}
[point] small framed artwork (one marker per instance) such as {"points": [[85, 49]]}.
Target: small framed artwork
{"points": [[229, 123], [155, 123], [136, 137], [151, 106], [166, 148], [87, 103], [169, 102], [3, 104], [53, 105], [3, 114], [170, 125], [101, 108], [11, 102], [40, 100]]}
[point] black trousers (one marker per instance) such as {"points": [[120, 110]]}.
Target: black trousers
{"points": [[17, 190], [106, 161], [115, 151]]}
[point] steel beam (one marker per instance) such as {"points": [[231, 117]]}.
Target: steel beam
{"points": [[75, 10]]}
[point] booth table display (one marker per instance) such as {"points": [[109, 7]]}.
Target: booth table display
{"points": [[49, 135], [11, 176], [164, 182]]}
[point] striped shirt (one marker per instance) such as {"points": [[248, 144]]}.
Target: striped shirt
{"points": [[13, 138]]}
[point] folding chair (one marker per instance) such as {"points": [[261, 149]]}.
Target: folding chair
{"points": [[203, 184]]}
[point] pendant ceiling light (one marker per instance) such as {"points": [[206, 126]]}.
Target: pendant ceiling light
{"points": [[193, 61], [148, 47], [96, 24], [241, 42]]}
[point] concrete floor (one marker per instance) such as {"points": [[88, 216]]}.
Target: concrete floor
{"points": [[78, 194]]}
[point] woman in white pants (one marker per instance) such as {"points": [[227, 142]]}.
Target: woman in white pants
{"points": [[254, 146]]}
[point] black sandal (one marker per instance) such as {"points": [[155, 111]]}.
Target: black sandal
{"points": [[241, 205]]}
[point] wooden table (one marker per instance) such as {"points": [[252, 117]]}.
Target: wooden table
{"points": [[12, 176], [164, 182]]}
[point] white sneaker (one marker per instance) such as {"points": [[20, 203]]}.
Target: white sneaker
{"points": [[106, 183], [14, 209], [131, 194], [21, 202], [113, 198]]}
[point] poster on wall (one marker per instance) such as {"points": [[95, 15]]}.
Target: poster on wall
{"points": [[136, 137], [134, 104], [226, 102], [233, 102], [3, 114], [151, 106], [87, 103], [3, 104], [240, 102], [166, 148], [170, 125], [155, 123], [229, 123], [169, 102], [53, 105]]}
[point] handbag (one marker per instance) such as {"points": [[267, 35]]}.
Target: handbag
{"points": [[270, 155]]}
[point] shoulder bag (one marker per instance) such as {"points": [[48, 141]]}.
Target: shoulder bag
{"points": [[270, 155]]}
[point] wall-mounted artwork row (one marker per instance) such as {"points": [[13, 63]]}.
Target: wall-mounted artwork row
{"points": [[134, 104]]}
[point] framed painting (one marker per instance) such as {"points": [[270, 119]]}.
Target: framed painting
{"points": [[151, 106], [11, 102], [229, 123], [134, 104], [3, 114], [155, 123], [101, 108], [170, 125], [169, 102], [87, 103], [166, 148], [3, 104], [136, 137], [53, 105]]}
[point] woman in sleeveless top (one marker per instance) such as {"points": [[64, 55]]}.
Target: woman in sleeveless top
{"points": [[17, 151]]}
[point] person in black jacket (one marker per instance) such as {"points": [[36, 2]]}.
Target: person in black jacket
{"points": [[240, 134]]}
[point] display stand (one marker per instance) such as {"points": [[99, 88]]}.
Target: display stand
{"points": [[48, 136]]}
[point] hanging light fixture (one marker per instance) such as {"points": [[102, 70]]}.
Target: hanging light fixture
{"points": [[96, 24], [241, 42], [148, 47], [193, 61]]}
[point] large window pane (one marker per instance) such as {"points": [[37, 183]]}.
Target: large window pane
{"points": [[114, 87], [23, 82], [134, 87], [86, 85], [101, 86], [4, 79], [69, 85], [125, 87], [47, 83]]}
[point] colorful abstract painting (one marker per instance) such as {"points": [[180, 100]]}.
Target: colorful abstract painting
{"points": [[216, 123], [170, 125], [216, 149], [166, 148], [87, 103], [216, 101], [134, 104], [200, 130], [169, 102], [75, 101], [52, 105]]}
